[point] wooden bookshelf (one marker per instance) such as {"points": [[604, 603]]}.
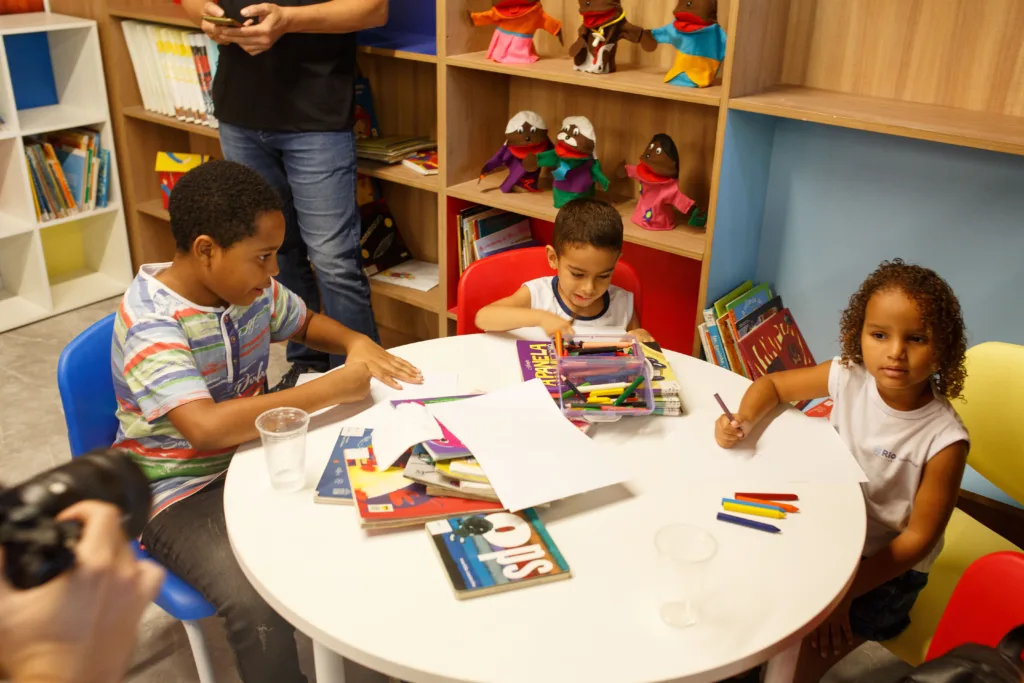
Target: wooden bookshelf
{"points": [[950, 125], [808, 60]]}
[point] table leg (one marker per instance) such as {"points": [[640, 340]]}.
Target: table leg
{"points": [[782, 667], [329, 665]]}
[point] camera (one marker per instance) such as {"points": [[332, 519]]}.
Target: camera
{"points": [[36, 546]]}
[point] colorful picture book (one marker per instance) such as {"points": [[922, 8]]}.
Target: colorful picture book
{"points": [[422, 468], [484, 232], [537, 360], [69, 173], [365, 117], [449, 447], [385, 499], [424, 163], [334, 486], [666, 386], [491, 553], [418, 275], [776, 344]]}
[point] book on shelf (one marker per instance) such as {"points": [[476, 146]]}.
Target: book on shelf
{"points": [[494, 552], [174, 69], [381, 243], [385, 499], [484, 232], [424, 163], [69, 173], [365, 117], [392, 149], [418, 275]]}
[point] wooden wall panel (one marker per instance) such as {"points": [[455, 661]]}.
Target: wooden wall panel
{"points": [[754, 54], [404, 94], [415, 213], [957, 53]]}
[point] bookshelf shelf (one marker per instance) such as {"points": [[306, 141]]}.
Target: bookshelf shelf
{"points": [[35, 22], [648, 81], [950, 125], [111, 207], [168, 13], [10, 225], [683, 241], [140, 113], [397, 173], [154, 208], [57, 117], [397, 54], [453, 314], [428, 301]]}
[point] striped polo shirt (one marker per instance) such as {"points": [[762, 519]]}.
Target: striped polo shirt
{"points": [[168, 351]]}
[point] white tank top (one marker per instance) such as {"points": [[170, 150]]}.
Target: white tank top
{"points": [[617, 310], [892, 447]]}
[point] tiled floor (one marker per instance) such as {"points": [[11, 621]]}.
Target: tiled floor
{"points": [[33, 438]]}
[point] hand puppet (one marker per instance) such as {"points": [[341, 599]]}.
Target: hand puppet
{"points": [[573, 161], [699, 43], [525, 134], [517, 21], [658, 175], [604, 25]]}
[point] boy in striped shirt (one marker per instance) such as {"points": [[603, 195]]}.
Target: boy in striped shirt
{"points": [[190, 353]]}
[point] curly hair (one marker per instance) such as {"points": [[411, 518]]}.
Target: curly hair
{"points": [[586, 220], [940, 311], [220, 199]]}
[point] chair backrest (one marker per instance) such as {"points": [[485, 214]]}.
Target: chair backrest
{"points": [[87, 388], [498, 276], [994, 393], [986, 604]]}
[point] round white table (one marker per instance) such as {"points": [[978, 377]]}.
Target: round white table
{"points": [[383, 599]]}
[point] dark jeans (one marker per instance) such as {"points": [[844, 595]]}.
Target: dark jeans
{"points": [[190, 539], [315, 175]]}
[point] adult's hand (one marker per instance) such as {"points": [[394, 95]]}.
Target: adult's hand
{"points": [[215, 32], [271, 22], [80, 626]]}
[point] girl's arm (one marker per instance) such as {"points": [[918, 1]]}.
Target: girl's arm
{"points": [[766, 393], [933, 505], [514, 312]]}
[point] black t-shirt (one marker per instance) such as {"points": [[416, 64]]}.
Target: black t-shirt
{"points": [[304, 83]]}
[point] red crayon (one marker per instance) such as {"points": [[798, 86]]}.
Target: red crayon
{"points": [[768, 496]]}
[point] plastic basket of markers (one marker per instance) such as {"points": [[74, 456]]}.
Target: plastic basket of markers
{"points": [[603, 378]]}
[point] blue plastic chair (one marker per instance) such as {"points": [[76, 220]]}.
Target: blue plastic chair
{"points": [[87, 394]]}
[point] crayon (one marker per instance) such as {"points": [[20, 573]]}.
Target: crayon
{"points": [[770, 496], [559, 349], [590, 388], [629, 390], [783, 506], [722, 517], [751, 510], [724, 409], [599, 399], [757, 504], [617, 345]]}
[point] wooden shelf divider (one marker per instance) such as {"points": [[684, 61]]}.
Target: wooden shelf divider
{"points": [[140, 113]]}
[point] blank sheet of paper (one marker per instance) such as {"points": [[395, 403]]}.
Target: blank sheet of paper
{"points": [[530, 452], [434, 384], [406, 425]]}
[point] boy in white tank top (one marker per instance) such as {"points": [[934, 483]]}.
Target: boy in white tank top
{"points": [[903, 349], [586, 246]]}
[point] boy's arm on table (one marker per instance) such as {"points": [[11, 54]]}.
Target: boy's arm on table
{"points": [[209, 425], [933, 505], [514, 312], [766, 393]]}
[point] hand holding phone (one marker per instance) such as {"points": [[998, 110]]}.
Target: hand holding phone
{"points": [[221, 21]]}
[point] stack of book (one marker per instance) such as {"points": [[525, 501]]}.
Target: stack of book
{"points": [[392, 149], [70, 173], [751, 332], [174, 69], [483, 232]]}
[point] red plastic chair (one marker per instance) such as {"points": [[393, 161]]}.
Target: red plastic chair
{"points": [[986, 604], [498, 276]]}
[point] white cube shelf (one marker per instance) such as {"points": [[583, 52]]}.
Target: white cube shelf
{"points": [[36, 280]]}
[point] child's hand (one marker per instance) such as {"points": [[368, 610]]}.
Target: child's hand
{"points": [[383, 365], [552, 323], [729, 433], [642, 335]]}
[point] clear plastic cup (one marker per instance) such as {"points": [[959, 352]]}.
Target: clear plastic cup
{"points": [[283, 431], [685, 552]]}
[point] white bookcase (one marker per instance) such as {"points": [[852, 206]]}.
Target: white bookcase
{"points": [[55, 266]]}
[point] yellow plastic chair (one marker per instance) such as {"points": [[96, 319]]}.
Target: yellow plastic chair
{"points": [[992, 414]]}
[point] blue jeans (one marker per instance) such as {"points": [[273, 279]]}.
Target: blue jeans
{"points": [[315, 175]]}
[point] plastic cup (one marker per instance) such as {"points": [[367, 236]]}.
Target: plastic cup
{"points": [[283, 431], [685, 552]]}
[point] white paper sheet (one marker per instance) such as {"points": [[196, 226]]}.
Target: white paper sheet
{"points": [[407, 425], [530, 452], [434, 384]]}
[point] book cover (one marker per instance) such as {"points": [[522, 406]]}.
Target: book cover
{"points": [[732, 349], [720, 304], [424, 163], [718, 346], [663, 376], [365, 125], [776, 344], [499, 240], [491, 553], [749, 301], [418, 275], [334, 486], [381, 243], [819, 408], [386, 498], [450, 446], [422, 468], [463, 469], [103, 193], [537, 360], [748, 322]]}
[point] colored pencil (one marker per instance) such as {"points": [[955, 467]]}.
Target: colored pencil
{"points": [[770, 528], [769, 496], [558, 343], [774, 513], [724, 409], [572, 387], [629, 390], [756, 503], [781, 506]]}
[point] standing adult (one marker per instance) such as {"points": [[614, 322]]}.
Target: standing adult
{"points": [[284, 97]]}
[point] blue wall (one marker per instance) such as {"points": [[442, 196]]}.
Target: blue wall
{"points": [[840, 201]]}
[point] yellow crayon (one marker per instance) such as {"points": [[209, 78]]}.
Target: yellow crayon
{"points": [[601, 400], [606, 392], [751, 510]]}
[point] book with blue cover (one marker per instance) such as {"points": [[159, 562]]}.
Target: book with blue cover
{"points": [[334, 486], [493, 552]]}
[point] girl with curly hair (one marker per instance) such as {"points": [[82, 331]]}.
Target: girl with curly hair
{"points": [[903, 345]]}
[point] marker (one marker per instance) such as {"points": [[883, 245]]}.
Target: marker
{"points": [[572, 387], [724, 409], [558, 343], [751, 510], [752, 500], [594, 350], [617, 345], [722, 517], [629, 390], [588, 388], [770, 496], [756, 504]]}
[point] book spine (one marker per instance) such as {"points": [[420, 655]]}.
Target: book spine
{"points": [[705, 343], [718, 347]]}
